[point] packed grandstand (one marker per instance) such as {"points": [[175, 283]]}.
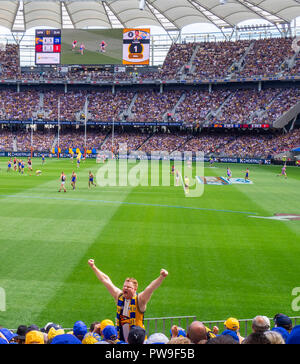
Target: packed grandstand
{"points": [[191, 111]]}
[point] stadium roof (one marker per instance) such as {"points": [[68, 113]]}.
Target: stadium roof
{"points": [[169, 14]]}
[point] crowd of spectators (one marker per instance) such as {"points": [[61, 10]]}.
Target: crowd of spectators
{"points": [[218, 143], [280, 331], [212, 60], [152, 105], [215, 60], [258, 61], [192, 107]]}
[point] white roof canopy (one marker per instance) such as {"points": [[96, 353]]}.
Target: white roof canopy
{"points": [[169, 14]]}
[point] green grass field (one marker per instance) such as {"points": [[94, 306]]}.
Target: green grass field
{"points": [[221, 262]]}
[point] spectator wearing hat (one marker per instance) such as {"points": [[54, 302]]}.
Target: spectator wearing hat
{"points": [[79, 330], [157, 338], [34, 337], [136, 335], [110, 334], [21, 332], [65, 339], [131, 306], [284, 321], [232, 325]]}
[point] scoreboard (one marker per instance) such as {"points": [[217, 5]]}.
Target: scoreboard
{"points": [[47, 46], [136, 46]]}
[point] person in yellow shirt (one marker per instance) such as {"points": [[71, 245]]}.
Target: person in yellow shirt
{"points": [[131, 306]]}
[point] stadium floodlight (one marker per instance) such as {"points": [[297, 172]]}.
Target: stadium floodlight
{"points": [[142, 5]]}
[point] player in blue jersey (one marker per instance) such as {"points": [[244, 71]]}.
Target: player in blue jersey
{"points": [[73, 180], [22, 167], [43, 158], [9, 166], [91, 179]]}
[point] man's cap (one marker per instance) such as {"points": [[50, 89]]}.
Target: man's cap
{"points": [[232, 323], [136, 335], [65, 339], [232, 334], [282, 331], [33, 328], [282, 320], [105, 323], [8, 334], [34, 337], [53, 332], [157, 338], [91, 338], [21, 332], [294, 336], [110, 333], [79, 328]]}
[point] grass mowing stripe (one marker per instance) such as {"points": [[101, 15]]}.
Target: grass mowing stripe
{"points": [[128, 203]]}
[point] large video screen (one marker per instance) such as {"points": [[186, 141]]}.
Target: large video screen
{"points": [[92, 46]]}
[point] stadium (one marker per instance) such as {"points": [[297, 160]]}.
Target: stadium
{"points": [[154, 139]]}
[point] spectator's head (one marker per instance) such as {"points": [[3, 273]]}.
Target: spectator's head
{"points": [[284, 321], [129, 288], [197, 332], [34, 337], [222, 339], [260, 324], [256, 338], [105, 323], [157, 338], [294, 337], [274, 337], [232, 324], [136, 335], [65, 339], [79, 330], [21, 332], [110, 333], [180, 340]]}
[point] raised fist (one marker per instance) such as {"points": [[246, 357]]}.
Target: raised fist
{"points": [[163, 273]]}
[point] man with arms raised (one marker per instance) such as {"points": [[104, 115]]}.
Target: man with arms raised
{"points": [[130, 305]]}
